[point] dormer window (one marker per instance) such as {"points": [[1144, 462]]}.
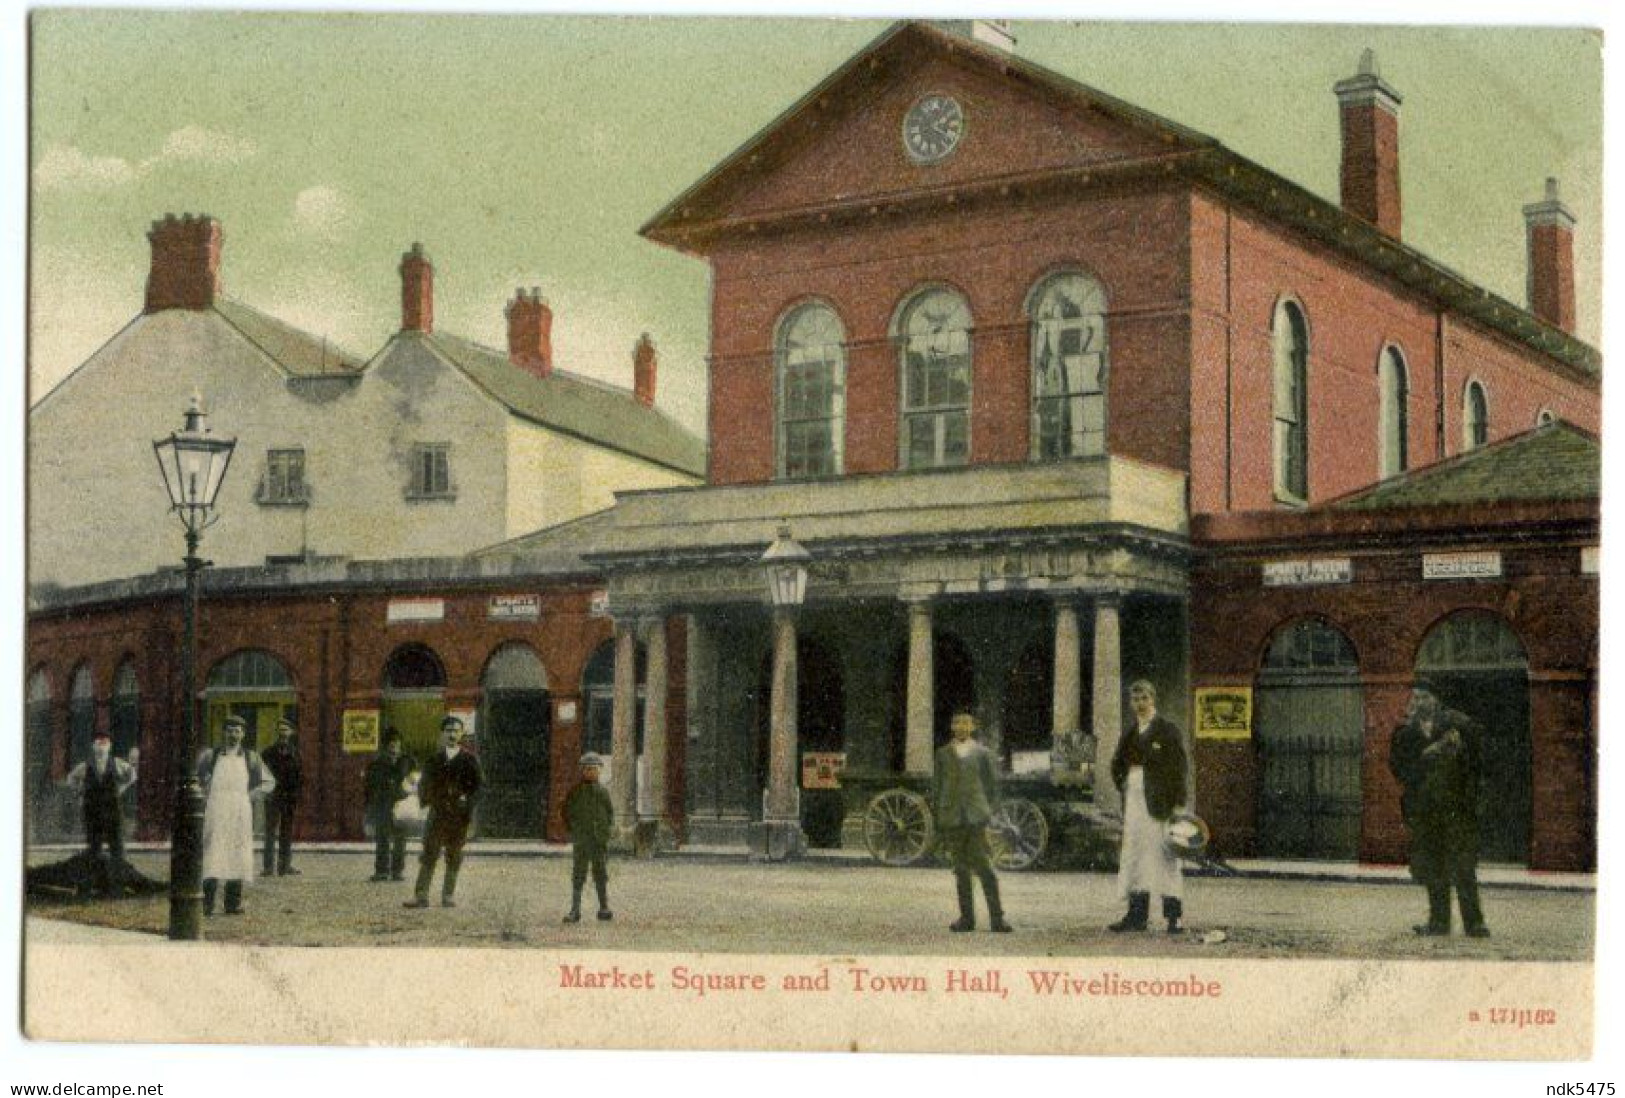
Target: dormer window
{"points": [[284, 481]]}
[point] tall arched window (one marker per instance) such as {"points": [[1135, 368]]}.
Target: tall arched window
{"points": [[1069, 367], [1475, 416], [1291, 339], [1393, 416], [124, 719], [810, 361], [81, 715], [934, 333], [40, 751]]}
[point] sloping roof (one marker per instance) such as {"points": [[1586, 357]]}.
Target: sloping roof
{"points": [[1557, 461], [557, 548], [299, 353], [588, 409], [1191, 154]]}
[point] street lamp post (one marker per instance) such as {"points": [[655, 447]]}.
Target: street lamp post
{"points": [[193, 462], [786, 564]]}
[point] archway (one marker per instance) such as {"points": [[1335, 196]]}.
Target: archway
{"points": [[1478, 666], [81, 715], [414, 698], [820, 727], [39, 750], [255, 686], [515, 726], [1308, 730]]}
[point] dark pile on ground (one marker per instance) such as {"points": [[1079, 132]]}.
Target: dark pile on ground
{"points": [[88, 876]]}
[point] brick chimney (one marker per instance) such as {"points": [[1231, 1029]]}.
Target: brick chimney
{"points": [[530, 332], [185, 271], [1550, 226], [1370, 170], [643, 371], [417, 291]]}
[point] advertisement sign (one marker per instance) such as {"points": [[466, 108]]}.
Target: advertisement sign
{"points": [[359, 732], [514, 608], [822, 769], [1450, 566], [1307, 573], [412, 610], [1224, 712]]}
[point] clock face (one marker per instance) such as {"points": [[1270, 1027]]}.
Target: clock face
{"points": [[932, 128]]}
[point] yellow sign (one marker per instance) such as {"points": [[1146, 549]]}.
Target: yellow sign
{"points": [[360, 731], [822, 769], [1224, 712]]}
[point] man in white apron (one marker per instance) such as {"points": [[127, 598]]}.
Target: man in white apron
{"points": [[232, 776], [1150, 772]]}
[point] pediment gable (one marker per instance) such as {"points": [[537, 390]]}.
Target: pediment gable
{"points": [[844, 142]]}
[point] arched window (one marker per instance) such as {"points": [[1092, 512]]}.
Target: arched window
{"points": [[810, 361], [1069, 367], [414, 698], [250, 670], [254, 685], [934, 334], [1393, 416], [1475, 416], [40, 751], [124, 720], [81, 715], [1291, 339]]}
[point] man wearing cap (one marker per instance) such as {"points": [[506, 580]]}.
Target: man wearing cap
{"points": [[283, 759], [386, 787], [966, 796], [589, 814], [451, 781], [1435, 756], [101, 781], [232, 776]]}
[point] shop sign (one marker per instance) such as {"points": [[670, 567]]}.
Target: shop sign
{"points": [[514, 608], [822, 769], [1307, 573], [360, 731], [1454, 566], [1224, 712], [402, 611]]}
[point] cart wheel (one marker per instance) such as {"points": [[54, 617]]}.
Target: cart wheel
{"points": [[897, 827], [1017, 836]]}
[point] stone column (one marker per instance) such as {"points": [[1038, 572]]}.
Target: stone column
{"points": [[1067, 709], [921, 690], [623, 757], [1108, 699], [654, 821], [701, 756], [780, 834]]}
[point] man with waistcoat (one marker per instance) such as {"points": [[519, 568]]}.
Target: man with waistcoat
{"points": [[101, 781]]}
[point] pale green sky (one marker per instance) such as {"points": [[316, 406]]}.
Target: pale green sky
{"points": [[526, 150]]}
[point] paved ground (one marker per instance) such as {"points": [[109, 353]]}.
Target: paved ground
{"points": [[809, 907]]}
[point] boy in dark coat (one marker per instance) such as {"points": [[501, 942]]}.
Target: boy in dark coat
{"points": [[588, 814]]}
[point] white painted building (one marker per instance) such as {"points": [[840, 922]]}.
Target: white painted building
{"points": [[435, 447]]}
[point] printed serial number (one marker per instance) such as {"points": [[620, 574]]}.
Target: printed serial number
{"points": [[1519, 1017]]}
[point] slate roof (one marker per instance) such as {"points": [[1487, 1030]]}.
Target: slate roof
{"points": [[557, 548], [592, 410], [1193, 155], [299, 353], [1557, 461]]}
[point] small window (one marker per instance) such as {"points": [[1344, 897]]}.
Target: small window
{"points": [[1393, 419], [431, 471], [1475, 419], [284, 477]]}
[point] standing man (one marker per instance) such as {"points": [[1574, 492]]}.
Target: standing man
{"points": [[232, 777], [966, 796], [102, 780], [283, 759], [1150, 771], [386, 787], [1435, 756], [451, 781]]}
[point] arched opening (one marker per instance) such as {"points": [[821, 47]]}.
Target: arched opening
{"points": [[934, 342], [1069, 369], [81, 715], [1308, 734], [810, 366], [38, 752], [820, 728], [255, 686], [1393, 418], [954, 690], [515, 734], [124, 716], [1291, 403], [1478, 666], [414, 698], [1475, 416]]}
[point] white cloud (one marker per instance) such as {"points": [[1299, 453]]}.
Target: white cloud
{"points": [[321, 211], [198, 145], [66, 166]]}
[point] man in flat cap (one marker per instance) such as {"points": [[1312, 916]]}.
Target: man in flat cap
{"points": [[283, 759], [1435, 756], [101, 781], [966, 798], [589, 814], [451, 781], [232, 776]]}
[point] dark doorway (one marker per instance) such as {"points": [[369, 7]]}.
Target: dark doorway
{"points": [[1478, 666], [515, 725], [820, 727], [1307, 728]]}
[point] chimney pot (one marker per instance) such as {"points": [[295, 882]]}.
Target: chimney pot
{"points": [[1369, 109], [1549, 229], [417, 291], [644, 367], [530, 331], [185, 271]]}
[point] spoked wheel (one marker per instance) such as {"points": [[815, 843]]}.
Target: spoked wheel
{"points": [[897, 827], [1017, 836]]}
